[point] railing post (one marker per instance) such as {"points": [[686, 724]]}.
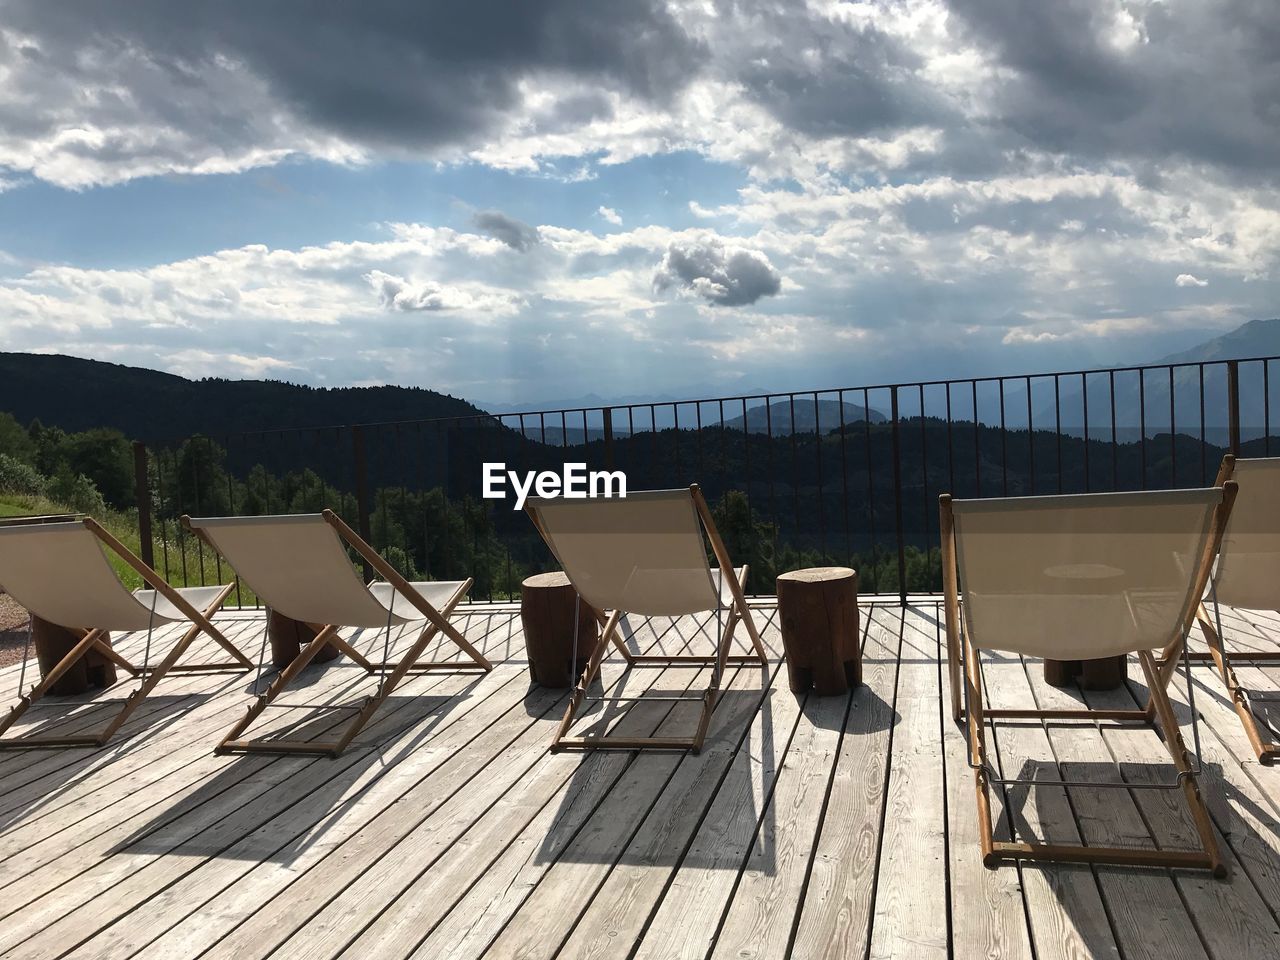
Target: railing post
{"points": [[142, 495], [608, 438], [1233, 406], [362, 493], [897, 502]]}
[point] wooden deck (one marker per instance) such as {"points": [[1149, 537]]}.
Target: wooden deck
{"points": [[809, 827]]}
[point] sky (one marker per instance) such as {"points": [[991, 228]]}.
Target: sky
{"points": [[527, 203]]}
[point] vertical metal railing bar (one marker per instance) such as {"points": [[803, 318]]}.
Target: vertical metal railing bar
{"points": [[182, 537], [1115, 440], [817, 446], [1031, 441], [977, 443], [795, 472], [746, 461], [217, 558], [924, 471], [631, 438], [1233, 406], [1004, 446], [675, 435], [697, 422], [1057, 421], [773, 497], [1142, 425], [1084, 394], [897, 498], [871, 490], [1204, 465], [1266, 408], [724, 454], [1173, 434], [447, 555], [844, 484], [951, 453]]}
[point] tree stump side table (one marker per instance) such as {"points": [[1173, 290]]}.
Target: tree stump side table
{"points": [[1105, 673], [53, 642], [289, 636], [547, 605], [818, 611]]}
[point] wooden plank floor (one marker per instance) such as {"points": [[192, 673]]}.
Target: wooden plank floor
{"points": [[808, 827]]}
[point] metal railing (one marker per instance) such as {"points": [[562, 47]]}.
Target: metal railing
{"points": [[848, 476]]}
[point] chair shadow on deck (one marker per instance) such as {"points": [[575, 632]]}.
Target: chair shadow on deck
{"points": [[60, 770], [272, 808]]}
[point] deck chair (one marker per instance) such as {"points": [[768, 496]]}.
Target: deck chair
{"points": [[60, 573], [1247, 576], [644, 554], [298, 566], [1080, 577]]}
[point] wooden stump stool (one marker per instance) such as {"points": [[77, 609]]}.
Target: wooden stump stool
{"points": [[818, 610], [53, 642], [547, 605], [1105, 673], [289, 636]]}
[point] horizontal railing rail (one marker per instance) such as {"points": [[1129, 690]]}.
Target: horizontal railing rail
{"points": [[840, 476]]}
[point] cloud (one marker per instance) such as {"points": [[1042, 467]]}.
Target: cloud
{"points": [[96, 93], [610, 215], [397, 293], [1187, 280], [727, 276], [514, 233]]}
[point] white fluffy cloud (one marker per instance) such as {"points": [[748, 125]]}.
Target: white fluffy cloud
{"points": [[1012, 178]]}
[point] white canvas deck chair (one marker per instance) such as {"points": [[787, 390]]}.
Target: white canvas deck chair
{"points": [[298, 566], [1080, 577], [644, 554], [1247, 576], [61, 574]]}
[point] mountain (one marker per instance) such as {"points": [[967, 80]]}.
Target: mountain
{"points": [[1143, 400], [778, 418], [77, 394], [1257, 338]]}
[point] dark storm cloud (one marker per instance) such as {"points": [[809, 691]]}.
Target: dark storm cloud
{"points": [[379, 73], [826, 78], [722, 276], [1195, 81], [514, 233]]}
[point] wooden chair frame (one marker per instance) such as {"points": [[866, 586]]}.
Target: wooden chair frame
{"points": [[151, 676], [963, 656], [1265, 748], [394, 672], [738, 611]]}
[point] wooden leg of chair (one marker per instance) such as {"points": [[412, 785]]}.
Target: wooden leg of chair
{"points": [[66, 663], [1263, 748], [304, 657], [978, 755], [1178, 753], [593, 667], [711, 698]]}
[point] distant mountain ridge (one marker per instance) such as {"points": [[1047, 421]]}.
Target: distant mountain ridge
{"points": [[78, 394]]}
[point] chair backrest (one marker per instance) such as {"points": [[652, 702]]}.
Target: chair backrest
{"points": [[1081, 576], [1248, 572], [60, 572], [641, 554], [298, 566]]}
